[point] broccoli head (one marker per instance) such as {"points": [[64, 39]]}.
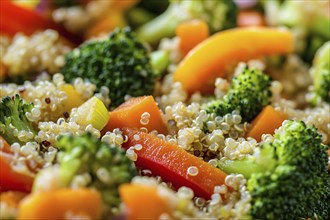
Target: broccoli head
{"points": [[287, 178], [100, 165], [249, 93], [321, 73], [15, 126], [218, 14], [121, 63]]}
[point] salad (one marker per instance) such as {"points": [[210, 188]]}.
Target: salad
{"points": [[157, 109]]}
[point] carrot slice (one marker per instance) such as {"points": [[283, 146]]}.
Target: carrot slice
{"points": [[191, 33], [130, 112], [172, 163], [105, 25], [61, 204], [208, 60], [266, 122], [250, 19], [10, 179], [153, 204]]}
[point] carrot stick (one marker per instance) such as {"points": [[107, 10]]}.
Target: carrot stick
{"points": [[153, 204], [250, 19], [10, 179], [266, 122], [172, 163], [207, 61], [61, 204], [130, 112], [191, 33]]}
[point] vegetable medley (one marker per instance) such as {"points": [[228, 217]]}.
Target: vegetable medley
{"points": [[157, 109]]}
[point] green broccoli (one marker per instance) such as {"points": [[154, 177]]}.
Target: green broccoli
{"points": [[287, 178], [105, 166], [321, 74], [249, 93], [310, 18], [14, 123], [120, 63], [218, 14]]}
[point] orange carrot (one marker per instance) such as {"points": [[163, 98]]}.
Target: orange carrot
{"points": [[191, 33], [61, 204], [10, 179], [153, 204], [174, 164], [266, 122], [4, 146], [105, 25], [12, 198], [208, 60], [129, 114], [250, 19]]}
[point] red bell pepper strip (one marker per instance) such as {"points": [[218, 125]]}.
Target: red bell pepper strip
{"points": [[10, 179], [174, 164], [15, 18]]}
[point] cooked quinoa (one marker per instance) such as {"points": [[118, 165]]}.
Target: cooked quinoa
{"points": [[43, 51], [207, 137]]}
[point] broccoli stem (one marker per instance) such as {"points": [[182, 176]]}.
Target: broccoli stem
{"points": [[162, 26], [159, 60]]}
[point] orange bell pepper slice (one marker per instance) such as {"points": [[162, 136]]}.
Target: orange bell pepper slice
{"points": [[208, 60]]}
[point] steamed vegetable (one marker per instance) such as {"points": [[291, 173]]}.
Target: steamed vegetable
{"points": [[249, 93], [12, 179], [173, 164], [61, 204], [217, 14], [121, 63], [14, 123], [321, 74], [92, 112], [288, 178], [191, 33], [207, 61], [153, 204], [106, 167], [265, 123], [136, 113]]}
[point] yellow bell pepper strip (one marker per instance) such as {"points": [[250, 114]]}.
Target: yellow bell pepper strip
{"points": [[61, 204], [208, 60]]}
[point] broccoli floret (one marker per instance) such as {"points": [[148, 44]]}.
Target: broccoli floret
{"points": [[101, 165], [218, 14], [14, 123], [121, 63], [321, 74], [248, 94], [288, 178]]}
